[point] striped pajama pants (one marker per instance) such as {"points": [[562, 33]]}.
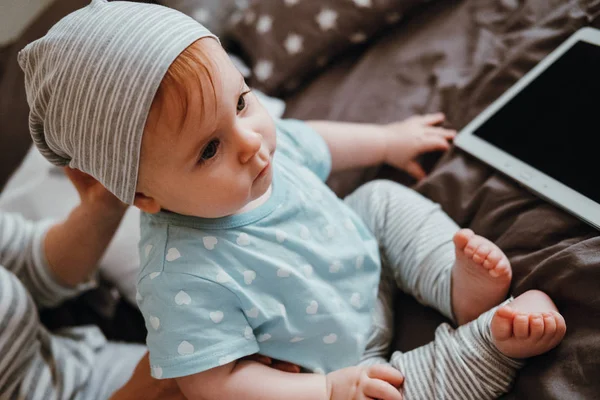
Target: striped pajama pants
{"points": [[417, 252]]}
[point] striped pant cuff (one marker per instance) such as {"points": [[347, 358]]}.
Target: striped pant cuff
{"points": [[458, 364]]}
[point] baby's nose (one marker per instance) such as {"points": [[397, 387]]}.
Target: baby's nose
{"points": [[249, 145]]}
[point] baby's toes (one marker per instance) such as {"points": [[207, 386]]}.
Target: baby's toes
{"points": [[549, 325], [561, 325], [482, 252], [473, 245], [502, 323], [521, 326], [536, 324], [462, 237], [502, 268], [493, 258]]}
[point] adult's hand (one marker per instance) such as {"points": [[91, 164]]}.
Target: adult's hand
{"points": [[74, 246], [93, 194]]}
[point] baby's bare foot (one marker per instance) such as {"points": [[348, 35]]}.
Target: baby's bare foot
{"points": [[480, 277], [529, 326]]}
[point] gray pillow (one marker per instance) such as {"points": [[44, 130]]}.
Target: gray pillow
{"points": [[214, 14]]}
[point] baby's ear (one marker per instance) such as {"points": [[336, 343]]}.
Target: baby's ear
{"points": [[146, 204]]}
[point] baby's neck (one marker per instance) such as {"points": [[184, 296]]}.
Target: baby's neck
{"points": [[256, 203]]}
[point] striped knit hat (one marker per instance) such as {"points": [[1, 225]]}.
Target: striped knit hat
{"points": [[91, 80]]}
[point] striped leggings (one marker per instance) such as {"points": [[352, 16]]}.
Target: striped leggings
{"points": [[417, 252]]}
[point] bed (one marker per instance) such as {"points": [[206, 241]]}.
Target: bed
{"points": [[455, 56]]}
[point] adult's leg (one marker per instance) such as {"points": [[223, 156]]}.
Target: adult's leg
{"points": [[114, 366], [35, 364]]}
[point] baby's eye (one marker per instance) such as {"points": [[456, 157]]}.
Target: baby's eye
{"points": [[210, 150], [242, 102]]}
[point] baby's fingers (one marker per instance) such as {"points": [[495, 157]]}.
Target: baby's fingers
{"points": [[386, 373], [415, 170], [433, 119], [441, 132], [376, 389], [433, 143]]}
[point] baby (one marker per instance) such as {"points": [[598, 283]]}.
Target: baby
{"points": [[244, 248]]}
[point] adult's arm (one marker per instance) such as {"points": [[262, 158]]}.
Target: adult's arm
{"points": [[54, 261]]}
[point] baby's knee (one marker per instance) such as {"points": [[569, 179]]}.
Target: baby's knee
{"points": [[383, 191], [377, 189]]}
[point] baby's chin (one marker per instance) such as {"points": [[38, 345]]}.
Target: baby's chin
{"points": [[260, 196]]}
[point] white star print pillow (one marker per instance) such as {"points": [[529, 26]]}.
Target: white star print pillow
{"points": [[288, 40], [210, 13]]}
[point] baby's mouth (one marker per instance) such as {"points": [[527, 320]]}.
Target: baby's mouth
{"points": [[264, 171]]}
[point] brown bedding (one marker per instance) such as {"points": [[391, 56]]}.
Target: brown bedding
{"points": [[454, 56], [459, 56]]}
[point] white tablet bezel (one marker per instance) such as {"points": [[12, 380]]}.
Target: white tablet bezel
{"points": [[540, 183]]}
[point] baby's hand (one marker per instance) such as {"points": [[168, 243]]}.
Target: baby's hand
{"points": [[412, 137], [362, 383]]}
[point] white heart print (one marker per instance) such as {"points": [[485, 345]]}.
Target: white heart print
{"points": [[249, 276], [283, 273], [355, 300], [349, 225], [155, 322], [185, 348], [243, 239], [182, 298], [148, 249], [264, 337], [280, 235], [154, 275], [335, 267], [330, 339], [223, 277], [157, 372], [252, 313], [209, 242], [216, 316], [312, 308], [248, 333], [173, 254], [296, 339]]}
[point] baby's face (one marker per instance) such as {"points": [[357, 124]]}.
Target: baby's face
{"points": [[213, 158]]}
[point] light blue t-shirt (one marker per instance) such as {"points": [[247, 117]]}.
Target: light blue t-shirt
{"points": [[295, 279]]}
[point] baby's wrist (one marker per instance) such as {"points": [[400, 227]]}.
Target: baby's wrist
{"points": [[383, 137]]}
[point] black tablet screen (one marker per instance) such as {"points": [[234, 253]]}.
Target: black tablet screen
{"points": [[553, 123]]}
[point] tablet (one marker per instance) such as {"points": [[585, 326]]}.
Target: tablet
{"points": [[544, 131]]}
